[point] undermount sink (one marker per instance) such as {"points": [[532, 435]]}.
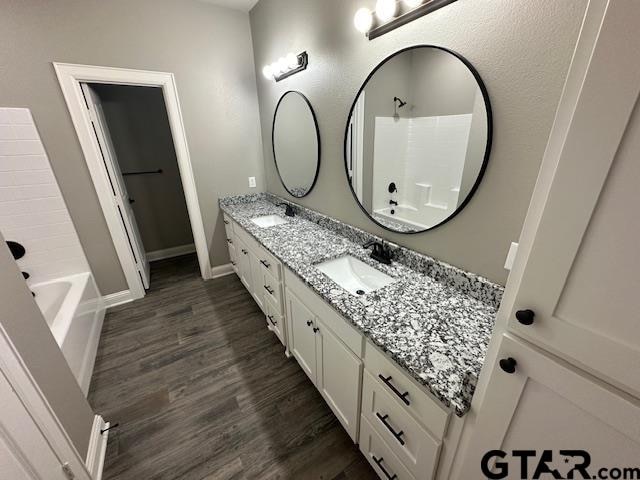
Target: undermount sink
{"points": [[354, 276], [268, 221]]}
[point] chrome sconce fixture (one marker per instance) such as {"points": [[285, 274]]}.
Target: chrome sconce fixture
{"points": [[391, 14], [286, 66]]}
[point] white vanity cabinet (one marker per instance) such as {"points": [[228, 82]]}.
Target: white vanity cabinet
{"points": [[332, 366], [260, 273]]}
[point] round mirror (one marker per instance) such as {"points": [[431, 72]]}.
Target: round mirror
{"points": [[296, 143], [418, 139]]}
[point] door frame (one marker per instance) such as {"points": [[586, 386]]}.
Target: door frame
{"points": [[70, 76]]}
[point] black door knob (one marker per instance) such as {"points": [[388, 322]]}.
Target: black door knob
{"points": [[525, 317], [508, 365]]}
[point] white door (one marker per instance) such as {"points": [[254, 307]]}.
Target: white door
{"points": [[544, 404], [339, 374], [302, 336], [25, 453], [116, 181], [578, 294]]}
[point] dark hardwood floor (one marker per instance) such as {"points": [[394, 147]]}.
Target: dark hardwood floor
{"points": [[202, 390]]}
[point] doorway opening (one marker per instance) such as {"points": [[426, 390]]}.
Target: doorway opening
{"points": [[131, 131], [132, 128]]}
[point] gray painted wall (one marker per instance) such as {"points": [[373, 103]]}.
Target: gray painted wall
{"points": [[32, 338], [209, 50], [522, 54], [139, 127]]}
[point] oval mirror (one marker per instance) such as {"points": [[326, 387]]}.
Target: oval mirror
{"points": [[296, 143], [418, 139]]}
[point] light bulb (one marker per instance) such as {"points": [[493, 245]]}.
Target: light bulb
{"points": [[363, 20], [267, 71], [386, 9], [275, 68], [292, 61], [412, 3], [283, 65]]}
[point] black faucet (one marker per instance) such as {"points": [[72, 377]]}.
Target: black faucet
{"points": [[393, 202], [381, 252], [289, 210]]}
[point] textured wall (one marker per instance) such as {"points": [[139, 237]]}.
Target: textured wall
{"points": [[207, 48], [521, 49]]}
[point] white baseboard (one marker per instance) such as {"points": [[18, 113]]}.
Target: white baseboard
{"points": [[222, 271], [97, 447], [171, 252], [119, 298]]}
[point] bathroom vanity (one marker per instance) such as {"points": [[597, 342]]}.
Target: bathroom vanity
{"points": [[395, 350]]}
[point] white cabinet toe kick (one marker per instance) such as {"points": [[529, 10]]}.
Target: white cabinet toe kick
{"points": [[401, 429]]}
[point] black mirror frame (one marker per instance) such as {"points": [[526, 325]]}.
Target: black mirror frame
{"points": [[487, 153], [273, 143]]}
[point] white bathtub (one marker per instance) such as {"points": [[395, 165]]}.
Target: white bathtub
{"points": [[74, 311]]}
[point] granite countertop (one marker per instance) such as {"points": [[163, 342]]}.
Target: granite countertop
{"points": [[437, 330]]}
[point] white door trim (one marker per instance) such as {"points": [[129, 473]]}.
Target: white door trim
{"points": [[70, 77], [34, 401]]}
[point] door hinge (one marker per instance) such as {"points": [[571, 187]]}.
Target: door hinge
{"points": [[66, 469]]}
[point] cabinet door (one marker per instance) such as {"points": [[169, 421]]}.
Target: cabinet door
{"points": [[579, 268], [302, 338], [339, 378], [256, 280], [545, 404], [244, 264], [233, 255]]}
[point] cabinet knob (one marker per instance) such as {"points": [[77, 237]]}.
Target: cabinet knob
{"points": [[316, 329], [508, 365], [525, 317], [309, 323]]}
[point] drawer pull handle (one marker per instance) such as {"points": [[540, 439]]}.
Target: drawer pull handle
{"points": [[525, 317], [397, 435], [226, 222], [378, 461], [402, 396], [316, 330], [273, 322], [269, 289], [309, 323], [229, 241], [245, 252], [265, 263]]}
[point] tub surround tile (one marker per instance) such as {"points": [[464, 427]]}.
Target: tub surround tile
{"points": [[32, 209], [435, 321]]}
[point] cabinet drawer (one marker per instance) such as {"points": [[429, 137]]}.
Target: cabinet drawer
{"points": [[251, 243], [270, 264], [275, 321], [272, 290], [406, 392], [382, 459], [403, 434]]}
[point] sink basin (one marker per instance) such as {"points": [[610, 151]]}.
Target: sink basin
{"points": [[354, 276], [268, 221]]}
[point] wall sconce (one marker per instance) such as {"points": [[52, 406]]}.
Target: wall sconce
{"points": [[286, 66], [391, 14]]}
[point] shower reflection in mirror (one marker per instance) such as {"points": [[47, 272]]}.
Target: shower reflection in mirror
{"points": [[418, 139]]}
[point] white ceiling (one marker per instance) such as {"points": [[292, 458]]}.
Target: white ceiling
{"points": [[243, 5]]}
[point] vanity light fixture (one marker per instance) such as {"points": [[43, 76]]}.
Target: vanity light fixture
{"points": [[387, 16], [286, 66]]}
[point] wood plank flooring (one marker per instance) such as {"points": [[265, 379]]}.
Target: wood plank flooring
{"points": [[202, 390]]}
